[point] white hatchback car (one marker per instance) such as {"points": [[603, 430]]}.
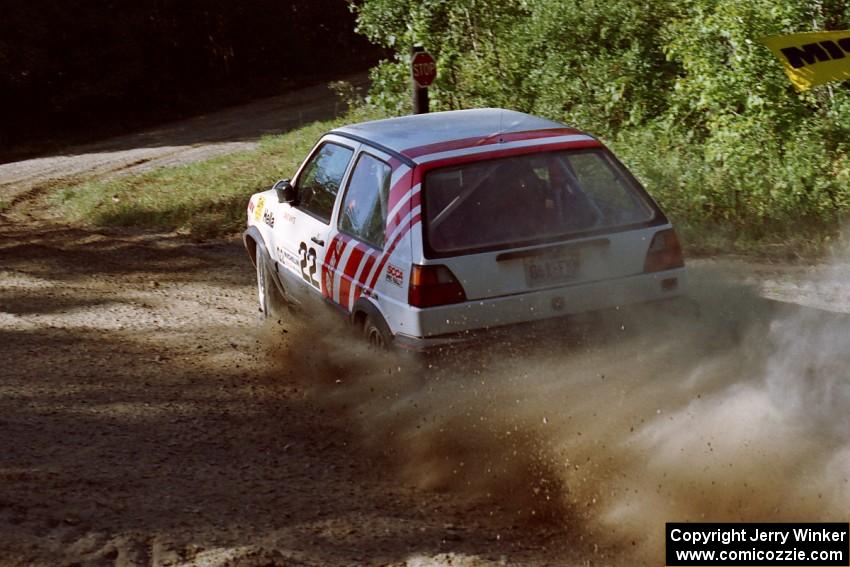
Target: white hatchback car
{"points": [[425, 230]]}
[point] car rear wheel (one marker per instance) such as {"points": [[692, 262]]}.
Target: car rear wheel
{"points": [[377, 337]]}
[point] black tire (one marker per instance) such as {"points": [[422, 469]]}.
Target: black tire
{"points": [[376, 334], [267, 293]]}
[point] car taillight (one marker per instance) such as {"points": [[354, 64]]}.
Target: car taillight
{"points": [[664, 253], [434, 285]]}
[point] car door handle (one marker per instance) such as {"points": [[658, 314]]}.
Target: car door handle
{"points": [[318, 240]]}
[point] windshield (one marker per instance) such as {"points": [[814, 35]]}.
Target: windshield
{"points": [[527, 198]]}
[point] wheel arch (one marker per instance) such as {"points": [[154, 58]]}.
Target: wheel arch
{"points": [[253, 241], [256, 247], [363, 308]]}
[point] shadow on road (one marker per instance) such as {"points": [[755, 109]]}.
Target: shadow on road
{"points": [[243, 123], [143, 422]]}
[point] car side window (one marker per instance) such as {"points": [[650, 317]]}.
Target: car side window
{"points": [[364, 207], [320, 179]]}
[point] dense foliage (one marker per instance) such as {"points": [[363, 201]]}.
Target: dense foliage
{"points": [[683, 91], [85, 64]]}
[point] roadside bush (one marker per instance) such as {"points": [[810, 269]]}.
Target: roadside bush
{"points": [[683, 90]]}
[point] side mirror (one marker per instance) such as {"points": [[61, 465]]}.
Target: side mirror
{"points": [[285, 191]]}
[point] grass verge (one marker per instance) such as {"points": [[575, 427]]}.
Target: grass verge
{"points": [[206, 198]]}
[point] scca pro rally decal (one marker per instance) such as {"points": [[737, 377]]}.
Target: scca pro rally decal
{"points": [[268, 218], [395, 275]]}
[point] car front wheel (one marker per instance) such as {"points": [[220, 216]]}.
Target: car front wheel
{"points": [[267, 294]]}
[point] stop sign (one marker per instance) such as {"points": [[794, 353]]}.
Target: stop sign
{"points": [[424, 69]]}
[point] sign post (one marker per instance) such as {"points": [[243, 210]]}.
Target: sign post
{"points": [[423, 70]]}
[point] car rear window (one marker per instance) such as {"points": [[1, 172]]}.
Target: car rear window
{"points": [[518, 200]]}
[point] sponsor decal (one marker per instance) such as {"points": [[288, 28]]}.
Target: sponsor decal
{"points": [[395, 275], [250, 207], [268, 218], [287, 257], [812, 58], [288, 217], [258, 211]]}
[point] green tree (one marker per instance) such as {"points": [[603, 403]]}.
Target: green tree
{"points": [[683, 90]]}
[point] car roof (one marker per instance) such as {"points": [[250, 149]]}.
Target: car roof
{"points": [[410, 136]]}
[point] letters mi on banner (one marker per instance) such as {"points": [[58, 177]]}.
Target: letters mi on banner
{"points": [[813, 58]]}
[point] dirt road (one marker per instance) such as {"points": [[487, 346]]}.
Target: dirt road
{"points": [[146, 418], [194, 139]]}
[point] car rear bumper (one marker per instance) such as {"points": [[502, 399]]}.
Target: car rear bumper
{"points": [[471, 321], [543, 328]]}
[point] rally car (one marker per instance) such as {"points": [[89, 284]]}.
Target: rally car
{"points": [[430, 229]]}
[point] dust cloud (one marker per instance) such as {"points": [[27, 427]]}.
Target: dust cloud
{"points": [[607, 429]]}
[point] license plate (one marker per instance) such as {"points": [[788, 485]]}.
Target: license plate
{"points": [[551, 269]]}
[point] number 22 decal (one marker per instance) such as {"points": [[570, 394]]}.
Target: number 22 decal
{"points": [[308, 264]]}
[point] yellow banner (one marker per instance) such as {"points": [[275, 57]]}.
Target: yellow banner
{"points": [[813, 58]]}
